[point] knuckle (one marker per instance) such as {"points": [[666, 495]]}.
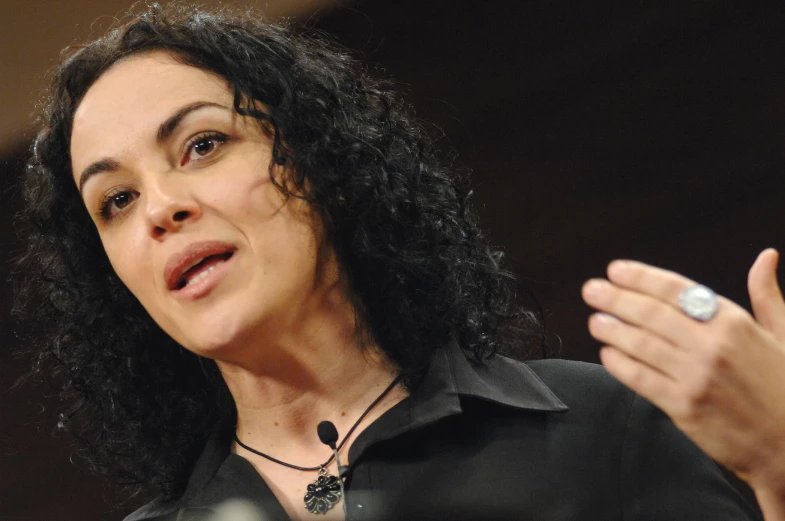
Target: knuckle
{"points": [[611, 295], [696, 396], [644, 345], [736, 325], [649, 311], [672, 287], [716, 357], [702, 386], [635, 377]]}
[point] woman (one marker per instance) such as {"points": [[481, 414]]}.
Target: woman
{"points": [[242, 235]]}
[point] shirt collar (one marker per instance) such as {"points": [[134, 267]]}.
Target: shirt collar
{"points": [[450, 376], [499, 379]]}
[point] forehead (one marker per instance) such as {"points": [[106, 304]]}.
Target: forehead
{"points": [[134, 96]]}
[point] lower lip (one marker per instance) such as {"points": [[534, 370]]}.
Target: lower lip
{"points": [[203, 288]]}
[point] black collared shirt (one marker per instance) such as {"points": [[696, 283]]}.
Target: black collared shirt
{"points": [[548, 440]]}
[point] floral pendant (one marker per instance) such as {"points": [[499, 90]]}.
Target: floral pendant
{"points": [[323, 494]]}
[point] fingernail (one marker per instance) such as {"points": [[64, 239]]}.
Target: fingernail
{"points": [[594, 287], [604, 319], [619, 266]]}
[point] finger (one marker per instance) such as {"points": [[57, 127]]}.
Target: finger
{"points": [[643, 311], [662, 284], [651, 384], [639, 344], [765, 295], [666, 286]]}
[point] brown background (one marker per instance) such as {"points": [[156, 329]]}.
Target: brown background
{"points": [[595, 130]]}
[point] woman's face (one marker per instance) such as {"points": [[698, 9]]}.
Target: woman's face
{"points": [[178, 186]]}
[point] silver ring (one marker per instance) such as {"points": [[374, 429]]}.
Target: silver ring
{"points": [[699, 302]]}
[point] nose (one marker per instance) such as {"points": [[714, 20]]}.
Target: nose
{"points": [[169, 207]]}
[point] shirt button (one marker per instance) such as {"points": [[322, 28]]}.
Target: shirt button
{"points": [[359, 506]]}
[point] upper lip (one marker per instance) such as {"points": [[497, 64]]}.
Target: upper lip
{"points": [[190, 256]]}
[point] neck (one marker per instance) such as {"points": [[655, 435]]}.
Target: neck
{"points": [[290, 406], [322, 370]]}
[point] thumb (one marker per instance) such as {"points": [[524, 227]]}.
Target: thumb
{"points": [[765, 295]]}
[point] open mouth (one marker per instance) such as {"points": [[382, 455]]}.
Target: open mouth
{"points": [[199, 271]]}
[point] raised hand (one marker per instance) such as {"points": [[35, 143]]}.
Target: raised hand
{"points": [[722, 381]]}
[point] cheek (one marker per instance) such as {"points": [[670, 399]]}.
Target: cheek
{"points": [[280, 230], [293, 246], [236, 191], [252, 203], [132, 264]]}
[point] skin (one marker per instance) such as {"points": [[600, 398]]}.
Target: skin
{"points": [[721, 381], [279, 324]]}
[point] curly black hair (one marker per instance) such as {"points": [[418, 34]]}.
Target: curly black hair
{"points": [[418, 268]]}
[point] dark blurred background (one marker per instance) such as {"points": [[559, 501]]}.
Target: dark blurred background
{"points": [[595, 130]]}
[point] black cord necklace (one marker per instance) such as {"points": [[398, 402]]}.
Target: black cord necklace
{"points": [[325, 492]]}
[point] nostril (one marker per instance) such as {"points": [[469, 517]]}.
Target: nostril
{"points": [[158, 231], [180, 216]]}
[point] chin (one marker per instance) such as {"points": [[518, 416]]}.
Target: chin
{"points": [[226, 334], [213, 335]]}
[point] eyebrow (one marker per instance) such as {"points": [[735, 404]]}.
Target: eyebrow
{"points": [[165, 130]]}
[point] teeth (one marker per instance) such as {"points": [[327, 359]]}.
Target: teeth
{"points": [[202, 274]]}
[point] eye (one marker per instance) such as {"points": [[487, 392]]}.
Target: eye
{"points": [[114, 202], [202, 146]]}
